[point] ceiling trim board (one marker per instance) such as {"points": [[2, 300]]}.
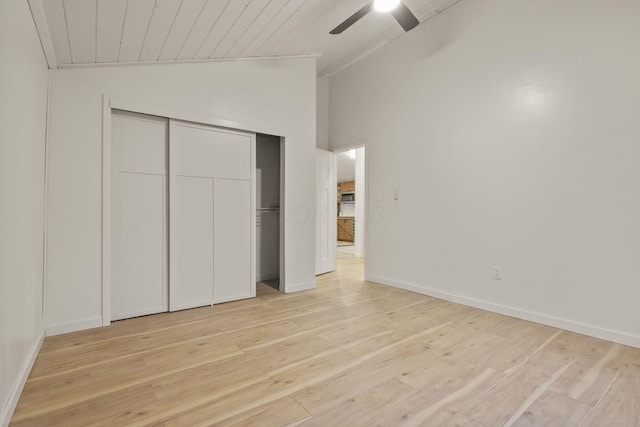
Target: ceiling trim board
{"points": [[253, 21], [42, 27], [186, 17], [185, 61], [81, 30], [124, 22], [138, 17], [66, 30], [173, 22], [233, 24], [57, 26], [109, 29], [194, 25], [224, 22], [282, 24], [252, 12], [146, 33], [266, 26], [247, 39]]}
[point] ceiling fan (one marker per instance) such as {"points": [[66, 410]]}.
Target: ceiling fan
{"points": [[398, 9]]}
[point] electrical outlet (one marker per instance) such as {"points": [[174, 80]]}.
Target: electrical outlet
{"points": [[496, 272]]}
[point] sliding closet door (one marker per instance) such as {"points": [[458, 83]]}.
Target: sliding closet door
{"points": [[139, 264], [212, 215]]}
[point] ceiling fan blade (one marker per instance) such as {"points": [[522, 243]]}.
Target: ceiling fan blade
{"points": [[405, 17], [353, 19]]}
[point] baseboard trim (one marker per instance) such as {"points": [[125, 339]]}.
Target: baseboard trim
{"points": [[16, 392], [299, 287], [556, 322], [233, 298], [409, 287], [137, 313], [77, 325]]}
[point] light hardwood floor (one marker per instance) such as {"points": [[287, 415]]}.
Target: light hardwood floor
{"points": [[347, 354]]}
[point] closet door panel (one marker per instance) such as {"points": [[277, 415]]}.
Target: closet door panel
{"points": [[139, 263], [232, 244], [212, 152], [192, 237], [212, 215], [141, 142]]}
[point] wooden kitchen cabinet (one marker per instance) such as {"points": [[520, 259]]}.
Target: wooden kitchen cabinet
{"points": [[345, 229], [347, 187]]}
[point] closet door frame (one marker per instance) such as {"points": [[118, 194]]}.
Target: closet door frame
{"points": [[109, 104]]}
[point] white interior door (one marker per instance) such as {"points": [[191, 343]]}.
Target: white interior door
{"points": [[326, 215], [212, 215], [139, 264]]}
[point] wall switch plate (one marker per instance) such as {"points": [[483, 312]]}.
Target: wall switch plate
{"points": [[496, 272]]}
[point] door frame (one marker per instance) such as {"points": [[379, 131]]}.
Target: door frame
{"points": [[352, 146], [333, 229], [109, 104]]}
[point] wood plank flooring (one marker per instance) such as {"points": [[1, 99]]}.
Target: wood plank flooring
{"points": [[350, 353]]}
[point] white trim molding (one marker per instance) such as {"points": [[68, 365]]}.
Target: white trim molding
{"points": [[543, 319], [188, 116], [40, 20], [106, 212], [74, 326], [299, 287], [187, 61]]}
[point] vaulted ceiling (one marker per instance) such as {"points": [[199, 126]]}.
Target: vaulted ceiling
{"points": [[131, 31]]}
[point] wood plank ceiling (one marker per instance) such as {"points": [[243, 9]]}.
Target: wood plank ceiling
{"points": [[131, 31]]}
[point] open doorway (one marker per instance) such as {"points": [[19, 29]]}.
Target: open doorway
{"points": [[341, 210], [350, 208], [268, 217]]}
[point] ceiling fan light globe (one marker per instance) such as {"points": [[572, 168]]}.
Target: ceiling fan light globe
{"points": [[385, 5]]}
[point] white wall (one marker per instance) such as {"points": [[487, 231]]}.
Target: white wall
{"points": [[346, 166], [347, 209], [511, 130], [275, 97], [322, 112], [23, 106]]}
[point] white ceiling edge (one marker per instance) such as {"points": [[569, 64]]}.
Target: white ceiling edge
{"points": [[376, 43], [39, 18], [186, 61]]}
